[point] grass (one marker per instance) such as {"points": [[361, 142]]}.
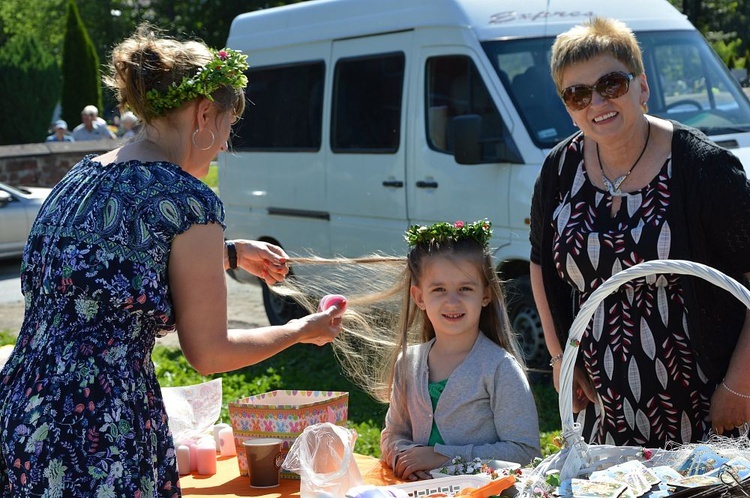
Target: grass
{"points": [[310, 367], [212, 178]]}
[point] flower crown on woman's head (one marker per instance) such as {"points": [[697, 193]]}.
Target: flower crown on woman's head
{"points": [[480, 231], [226, 68]]}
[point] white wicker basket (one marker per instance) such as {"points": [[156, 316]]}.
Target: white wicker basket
{"points": [[578, 458]]}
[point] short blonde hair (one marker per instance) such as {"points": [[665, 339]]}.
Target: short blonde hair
{"points": [[598, 36]]}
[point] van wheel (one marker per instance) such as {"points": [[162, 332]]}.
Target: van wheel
{"points": [[280, 309], [526, 323]]}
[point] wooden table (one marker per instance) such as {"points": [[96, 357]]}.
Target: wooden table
{"points": [[227, 482]]}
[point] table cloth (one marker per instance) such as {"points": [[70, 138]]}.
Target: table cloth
{"points": [[227, 482]]}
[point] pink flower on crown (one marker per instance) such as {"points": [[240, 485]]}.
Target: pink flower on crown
{"points": [[222, 55], [458, 224]]}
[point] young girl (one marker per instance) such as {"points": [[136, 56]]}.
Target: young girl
{"points": [[462, 391], [451, 369]]}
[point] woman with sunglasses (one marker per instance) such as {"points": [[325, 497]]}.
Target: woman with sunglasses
{"points": [[666, 358]]}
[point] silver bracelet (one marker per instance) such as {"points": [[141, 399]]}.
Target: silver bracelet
{"points": [[743, 396], [555, 359]]}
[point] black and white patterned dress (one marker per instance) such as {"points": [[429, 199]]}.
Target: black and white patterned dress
{"points": [[637, 347]]}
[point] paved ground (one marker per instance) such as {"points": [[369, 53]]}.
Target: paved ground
{"points": [[245, 303]]}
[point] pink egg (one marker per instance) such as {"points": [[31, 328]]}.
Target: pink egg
{"points": [[333, 300]]}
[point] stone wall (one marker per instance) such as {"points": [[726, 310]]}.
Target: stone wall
{"points": [[43, 165]]}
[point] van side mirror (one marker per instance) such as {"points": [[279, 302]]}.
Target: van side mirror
{"points": [[5, 198], [467, 130]]}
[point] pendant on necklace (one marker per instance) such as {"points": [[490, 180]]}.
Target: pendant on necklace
{"points": [[614, 187]]}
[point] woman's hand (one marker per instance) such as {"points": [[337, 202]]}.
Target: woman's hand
{"points": [[583, 392], [728, 411], [319, 328], [415, 463], [264, 260]]}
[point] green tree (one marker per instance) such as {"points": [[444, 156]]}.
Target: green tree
{"points": [[42, 19], [30, 85], [82, 83], [719, 21], [113, 20]]}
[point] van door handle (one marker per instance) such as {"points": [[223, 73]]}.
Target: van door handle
{"points": [[421, 184], [393, 183]]}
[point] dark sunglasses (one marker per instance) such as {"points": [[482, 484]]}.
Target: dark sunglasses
{"points": [[609, 86]]}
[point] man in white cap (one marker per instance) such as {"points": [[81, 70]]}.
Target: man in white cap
{"points": [[91, 127], [60, 129]]}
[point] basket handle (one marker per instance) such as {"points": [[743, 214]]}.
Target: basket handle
{"points": [[588, 309]]}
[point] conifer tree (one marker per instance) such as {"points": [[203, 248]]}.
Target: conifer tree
{"points": [[30, 86], [82, 83]]}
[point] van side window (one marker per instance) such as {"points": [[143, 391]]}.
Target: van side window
{"points": [[523, 67], [367, 96], [455, 88], [284, 110]]}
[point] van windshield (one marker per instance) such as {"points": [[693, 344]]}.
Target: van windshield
{"points": [[688, 83]]}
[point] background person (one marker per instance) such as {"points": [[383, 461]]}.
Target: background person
{"points": [[666, 357], [92, 127], [128, 120], [129, 246], [60, 132]]}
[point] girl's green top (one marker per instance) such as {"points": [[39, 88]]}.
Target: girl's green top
{"points": [[435, 389]]}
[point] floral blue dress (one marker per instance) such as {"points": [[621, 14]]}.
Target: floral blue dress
{"points": [[81, 412]]}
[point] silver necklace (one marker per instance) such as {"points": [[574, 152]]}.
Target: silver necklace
{"points": [[613, 186]]}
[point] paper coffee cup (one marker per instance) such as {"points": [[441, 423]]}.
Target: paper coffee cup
{"points": [[264, 461]]}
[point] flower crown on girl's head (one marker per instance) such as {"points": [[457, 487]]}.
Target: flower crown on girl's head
{"points": [[226, 68], [480, 231]]}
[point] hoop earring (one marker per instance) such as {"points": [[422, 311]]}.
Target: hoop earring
{"points": [[213, 139]]}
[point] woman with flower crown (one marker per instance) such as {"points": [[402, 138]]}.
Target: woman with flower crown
{"points": [[441, 341], [129, 246]]}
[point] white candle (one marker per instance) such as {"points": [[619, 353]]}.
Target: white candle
{"points": [[217, 429], [183, 459], [226, 442]]}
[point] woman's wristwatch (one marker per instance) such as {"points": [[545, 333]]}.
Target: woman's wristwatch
{"points": [[231, 254]]}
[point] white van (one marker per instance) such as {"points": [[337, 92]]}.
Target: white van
{"points": [[369, 116]]}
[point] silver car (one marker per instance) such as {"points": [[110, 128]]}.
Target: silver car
{"points": [[18, 208]]}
